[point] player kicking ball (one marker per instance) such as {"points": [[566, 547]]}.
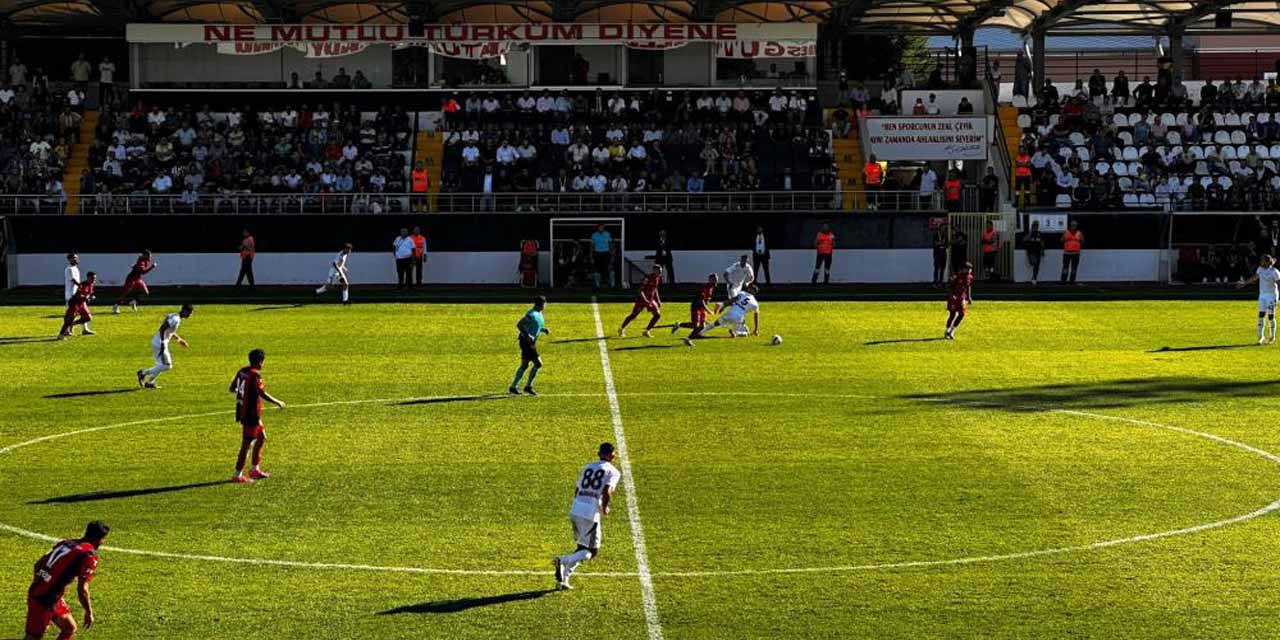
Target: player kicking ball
{"points": [[1267, 277], [530, 327], [134, 287], [78, 308], [250, 392], [959, 299], [338, 275], [596, 483], [68, 560], [735, 317], [160, 347], [647, 299], [699, 308]]}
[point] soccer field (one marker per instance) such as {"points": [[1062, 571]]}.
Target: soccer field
{"points": [[1068, 469]]}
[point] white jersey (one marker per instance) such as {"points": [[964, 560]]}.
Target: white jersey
{"points": [[743, 304], [738, 275], [1268, 283], [594, 482], [339, 265], [69, 279], [167, 328]]}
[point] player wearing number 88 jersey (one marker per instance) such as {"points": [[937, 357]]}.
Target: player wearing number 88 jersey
{"points": [[596, 484], [1268, 278]]}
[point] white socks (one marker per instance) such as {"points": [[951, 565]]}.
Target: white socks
{"points": [[345, 295], [569, 563], [321, 290], [1261, 331]]}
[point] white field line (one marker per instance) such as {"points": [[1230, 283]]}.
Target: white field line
{"points": [[1273, 506], [647, 596]]}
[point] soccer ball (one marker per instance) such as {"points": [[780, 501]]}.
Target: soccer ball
{"points": [[777, 340]]}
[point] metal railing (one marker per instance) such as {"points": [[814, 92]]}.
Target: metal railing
{"points": [[558, 202]]}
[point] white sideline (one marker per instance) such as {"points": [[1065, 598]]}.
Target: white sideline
{"points": [[629, 483]]}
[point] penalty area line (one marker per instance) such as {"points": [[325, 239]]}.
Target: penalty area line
{"points": [[628, 480]]}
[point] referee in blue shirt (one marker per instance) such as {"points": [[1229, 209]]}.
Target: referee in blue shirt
{"points": [[602, 248], [530, 327]]}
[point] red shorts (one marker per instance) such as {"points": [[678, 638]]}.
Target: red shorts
{"points": [[698, 317], [135, 286], [956, 304], [256, 431], [78, 309], [39, 617], [641, 305]]}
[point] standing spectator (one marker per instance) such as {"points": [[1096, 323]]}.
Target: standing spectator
{"points": [[1021, 75], [663, 256], [248, 251], [959, 249], [420, 183], [1120, 89], [940, 254], [1097, 84], [602, 250], [952, 191], [1033, 244], [402, 247], [17, 73], [990, 250], [80, 69], [989, 190], [928, 186], [760, 255], [873, 178], [1072, 242], [965, 107], [419, 255], [824, 243]]}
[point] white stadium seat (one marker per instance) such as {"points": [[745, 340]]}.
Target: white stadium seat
{"points": [[1174, 137], [1063, 201], [1231, 119], [1103, 168], [1130, 153], [1120, 120], [1130, 200], [1238, 137], [1083, 154], [1168, 120], [1221, 137], [1135, 118], [1126, 138]]}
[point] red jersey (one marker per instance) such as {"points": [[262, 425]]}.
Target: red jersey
{"points": [[248, 388], [68, 560], [83, 292], [704, 296], [140, 268], [649, 287], [961, 286]]}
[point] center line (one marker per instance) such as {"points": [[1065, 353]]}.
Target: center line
{"points": [[629, 483]]}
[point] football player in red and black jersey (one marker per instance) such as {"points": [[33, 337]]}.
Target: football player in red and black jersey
{"points": [[959, 298], [78, 305], [134, 287], [647, 299], [250, 392], [68, 560], [699, 308]]}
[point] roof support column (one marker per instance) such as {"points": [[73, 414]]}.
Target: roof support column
{"points": [[967, 63], [1175, 52], [1037, 61]]}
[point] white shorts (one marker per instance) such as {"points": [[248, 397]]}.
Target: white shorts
{"points": [[335, 277], [160, 352], [734, 290], [586, 532], [1267, 305]]}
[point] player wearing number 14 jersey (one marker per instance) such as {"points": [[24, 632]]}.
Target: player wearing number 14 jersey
{"points": [[68, 560], [250, 392], [596, 484]]}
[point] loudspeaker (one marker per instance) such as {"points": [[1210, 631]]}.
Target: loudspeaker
{"points": [[1222, 20]]}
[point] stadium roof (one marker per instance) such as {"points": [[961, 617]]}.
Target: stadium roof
{"points": [[889, 16]]}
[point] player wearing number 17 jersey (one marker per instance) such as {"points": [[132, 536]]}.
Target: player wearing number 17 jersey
{"points": [[68, 560], [1267, 277], [596, 484], [250, 392], [958, 299], [647, 299]]}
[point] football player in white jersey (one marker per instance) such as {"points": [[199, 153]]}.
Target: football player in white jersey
{"points": [[1267, 277], [338, 274], [70, 277], [735, 317], [160, 346], [591, 496]]}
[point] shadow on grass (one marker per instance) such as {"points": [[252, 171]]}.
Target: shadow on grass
{"points": [[463, 604], [280, 307], [573, 340], [101, 392], [902, 341], [27, 339], [442, 400], [1111, 394], [1207, 347], [127, 493], [642, 347]]}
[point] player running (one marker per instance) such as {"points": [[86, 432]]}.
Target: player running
{"points": [[591, 497], [78, 305], [160, 347], [68, 560], [338, 274], [250, 393], [736, 316], [739, 276], [646, 299], [1267, 277], [134, 287], [699, 308], [530, 327], [959, 299]]}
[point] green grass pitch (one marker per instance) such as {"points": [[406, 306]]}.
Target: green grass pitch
{"points": [[770, 481]]}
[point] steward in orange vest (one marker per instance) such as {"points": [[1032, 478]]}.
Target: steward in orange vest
{"points": [[1072, 243]]}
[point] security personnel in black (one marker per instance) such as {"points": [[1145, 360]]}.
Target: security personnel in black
{"points": [[663, 257], [940, 254]]}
